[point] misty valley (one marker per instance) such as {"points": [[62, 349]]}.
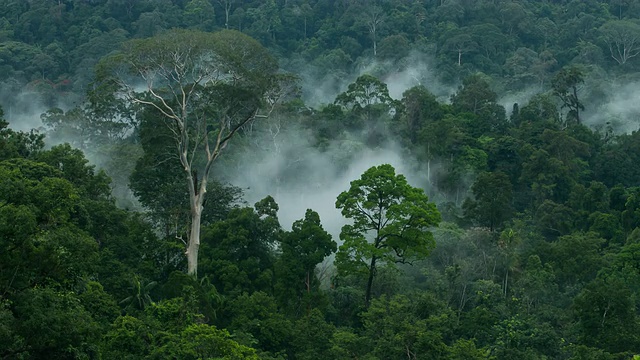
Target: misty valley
{"points": [[320, 179]]}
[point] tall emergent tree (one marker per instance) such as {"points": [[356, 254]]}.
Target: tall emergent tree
{"points": [[391, 222], [566, 86], [622, 38], [205, 86]]}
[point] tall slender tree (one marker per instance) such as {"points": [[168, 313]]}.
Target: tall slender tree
{"points": [[206, 86]]}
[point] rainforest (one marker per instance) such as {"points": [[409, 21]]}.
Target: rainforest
{"points": [[320, 179]]}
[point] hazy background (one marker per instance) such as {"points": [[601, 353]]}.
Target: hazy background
{"points": [[298, 175]]}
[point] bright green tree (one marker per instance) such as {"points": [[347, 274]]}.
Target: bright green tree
{"points": [[367, 100], [391, 223], [128, 338], [201, 341]]}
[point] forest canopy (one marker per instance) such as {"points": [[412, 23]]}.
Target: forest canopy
{"points": [[319, 179]]}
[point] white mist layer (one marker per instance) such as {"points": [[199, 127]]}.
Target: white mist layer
{"points": [[300, 177], [620, 110], [519, 97], [415, 70], [23, 110], [418, 71]]}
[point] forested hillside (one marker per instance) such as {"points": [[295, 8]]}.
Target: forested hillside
{"points": [[319, 179]]}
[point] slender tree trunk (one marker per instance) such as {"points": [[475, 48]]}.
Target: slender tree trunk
{"points": [[372, 270], [506, 282], [308, 284], [463, 299], [227, 9], [194, 241], [604, 315], [575, 94], [375, 47], [197, 192], [620, 12], [463, 302]]}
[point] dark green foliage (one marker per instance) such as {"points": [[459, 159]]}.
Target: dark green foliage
{"points": [[11, 342], [397, 328], [55, 325], [566, 85], [541, 262], [492, 203], [255, 318], [238, 252], [306, 246], [312, 338], [417, 109], [476, 97], [605, 309], [577, 257]]}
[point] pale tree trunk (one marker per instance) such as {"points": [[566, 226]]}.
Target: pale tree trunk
{"points": [[197, 191], [187, 147], [183, 70], [196, 216], [506, 282], [194, 242], [227, 10], [375, 16], [375, 46]]}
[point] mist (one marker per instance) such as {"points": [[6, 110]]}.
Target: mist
{"points": [[521, 98], [291, 169], [417, 69], [22, 109], [301, 177], [319, 88], [618, 110]]}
